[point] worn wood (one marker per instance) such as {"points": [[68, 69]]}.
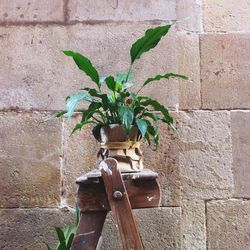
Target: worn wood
{"points": [[89, 230], [142, 194], [94, 175], [121, 207]]}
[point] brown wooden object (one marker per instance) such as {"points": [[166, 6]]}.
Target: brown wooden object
{"points": [[101, 191], [120, 205]]}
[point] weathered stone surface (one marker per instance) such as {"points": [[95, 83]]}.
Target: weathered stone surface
{"points": [[241, 152], [225, 71], [206, 155], [220, 15], [228, 224], [164, 161], [192, 10], [80, 152], [189, 91], [160, 228], [34, 73], [31, 228], [193, 225], [31, 11], [122, 10], [42, 76], [29, 161]]}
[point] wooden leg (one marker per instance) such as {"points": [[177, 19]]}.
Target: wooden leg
{"points": [[89, 230], [120, 205]]}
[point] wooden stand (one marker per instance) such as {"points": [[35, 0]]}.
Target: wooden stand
{"points": [[108, 189]]}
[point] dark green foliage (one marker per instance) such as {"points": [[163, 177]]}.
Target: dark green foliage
{"points": [[151, 38], [65, 236], [118, 105]]}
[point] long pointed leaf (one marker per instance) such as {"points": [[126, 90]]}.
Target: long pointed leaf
{"points": [[166, 76], [57, 115], [148, 41], [80, 125], [142, 126], [127, 116], [61, 238], [157, 107], [112, 84], [85, 65], [72, 101]]}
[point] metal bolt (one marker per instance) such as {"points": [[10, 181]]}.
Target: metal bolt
{"points": [[117, 195]]}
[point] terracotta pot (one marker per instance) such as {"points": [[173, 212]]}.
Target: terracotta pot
{"points": [[125, 148]]}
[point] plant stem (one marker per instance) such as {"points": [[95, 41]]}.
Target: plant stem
{"points": [[128, 73]]}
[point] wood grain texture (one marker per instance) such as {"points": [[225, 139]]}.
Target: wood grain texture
{"points": [[121, 208]]}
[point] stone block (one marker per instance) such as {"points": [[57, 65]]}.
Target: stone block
{"points": [[121, 10], [80, 152], [29, 161], [189, 65], [220, 15], [164, 160], [228, 224], [193, 225], [240, 121], [191, 10], [31, 228], [225, 71], [34, 72], [12, 11], [160, 228], [205, 159]]}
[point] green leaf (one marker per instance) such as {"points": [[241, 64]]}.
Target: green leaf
{"points": [[148, 41], [112, 84], [65, 231], [73, 101], [78, 214], [80, 125], [57, 115], [166, 76], [123, 76], [93, 92], [69, 241], [85, 65], [92, 109], [127, 116], [96, 131], [111, 97], [154, 117], [142, 126], [153, 131], [157, 107], [62, 240]]}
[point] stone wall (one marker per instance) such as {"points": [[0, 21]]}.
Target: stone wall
{"points": [[204, 173]]}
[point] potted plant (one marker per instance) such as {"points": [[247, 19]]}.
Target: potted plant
{"points": [[120, 117]]}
